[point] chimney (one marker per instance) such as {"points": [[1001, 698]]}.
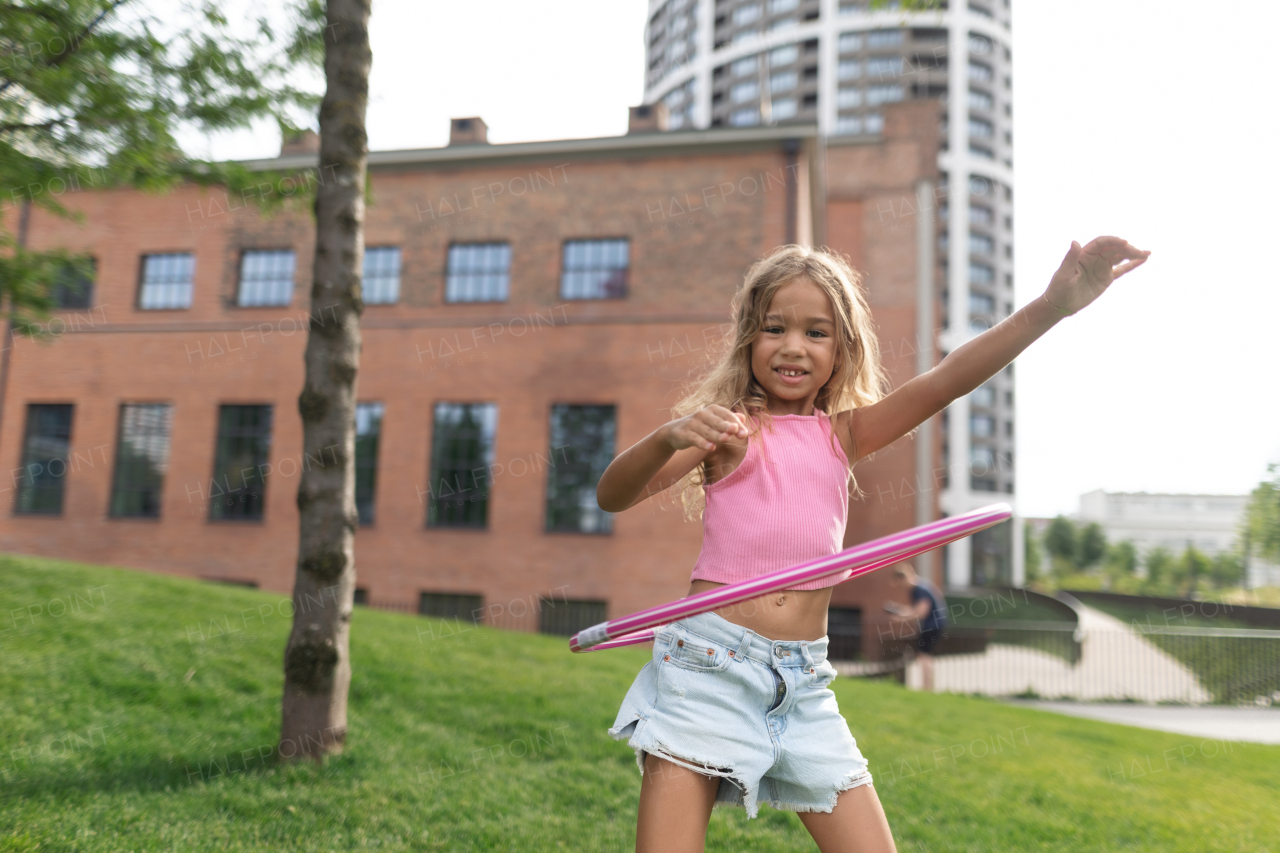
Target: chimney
{"points": [[302, 142], [468, 131], [648, 118]]}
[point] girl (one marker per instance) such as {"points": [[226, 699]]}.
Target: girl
{"points": [[735, 707]]}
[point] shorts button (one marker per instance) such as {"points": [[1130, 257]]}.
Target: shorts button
{"points": [[778, 652], [666, 657], [710, 651], [680, 643], [731, 653]]}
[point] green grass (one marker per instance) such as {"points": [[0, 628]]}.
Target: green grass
{"points": [[124, 731]]}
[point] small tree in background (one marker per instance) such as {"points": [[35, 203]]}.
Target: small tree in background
{"points": [[1261, 533], [1121, 564], [1032, 554], [1091, 546], [1060, 542]]}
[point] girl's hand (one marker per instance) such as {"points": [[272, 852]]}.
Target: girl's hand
{"points": [[706, 428], [1089, 270]]}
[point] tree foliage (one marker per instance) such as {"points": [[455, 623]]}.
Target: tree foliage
{"points": [[1262, 518], [93, 93]]}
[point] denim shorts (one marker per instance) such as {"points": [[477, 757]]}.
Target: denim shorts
{"points": [[724, 701]]}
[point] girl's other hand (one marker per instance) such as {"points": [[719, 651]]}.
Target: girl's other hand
{"points": [[706, 428], [1088, 270]]}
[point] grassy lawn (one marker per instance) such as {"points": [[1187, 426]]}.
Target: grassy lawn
{"points": [[139, 713]]}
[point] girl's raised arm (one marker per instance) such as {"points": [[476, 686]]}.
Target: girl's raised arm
{"points": [[1085, 273], [662, 458]]}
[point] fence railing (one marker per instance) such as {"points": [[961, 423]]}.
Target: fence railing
{"points": [[1154, 664]]}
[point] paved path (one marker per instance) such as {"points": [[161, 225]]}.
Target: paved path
{"points": [[1254, 725], [1117, 663]]}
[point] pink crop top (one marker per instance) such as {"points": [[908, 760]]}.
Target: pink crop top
{"points": [[788, 502]]}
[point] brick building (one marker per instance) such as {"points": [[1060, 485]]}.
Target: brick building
{"points": [[533, 308]]}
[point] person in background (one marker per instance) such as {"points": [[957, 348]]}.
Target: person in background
{"points": [[927, 616]]}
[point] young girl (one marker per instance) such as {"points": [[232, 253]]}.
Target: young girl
{"points": [[735, 707]]}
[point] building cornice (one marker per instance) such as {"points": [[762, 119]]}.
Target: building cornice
{"points": [[659, 143]]}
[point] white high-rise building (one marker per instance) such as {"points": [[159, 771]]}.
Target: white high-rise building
{"points": [[726, 63]]}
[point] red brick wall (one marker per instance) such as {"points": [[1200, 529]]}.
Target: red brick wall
{"points": [[691, 241]]}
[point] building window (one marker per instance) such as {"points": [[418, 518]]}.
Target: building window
{"points": [[238, 490], [381, 283], [980, 244], [980, 128], [745, 66], [979, 100], [450, 605], [167, 281], [980, 303], [881, 67], [849, 69], [266, 277], [784, 55], [979, 215], [567, 617], [72, 285], [748, 91], [847, 98], [462, 439], [783, 81], [979, 44], [746, 14], [46, 448], [478, 272], [982, 459], [883, 94], [361, 596], [784, 108], [142, 458], [884, 38], [981, 274], [979, 73], [848, 125], [777, 7], [595, 269], [849, 42], [368, 434], [745, 118], [582, 439], [873, 123], [844, 633], [984, 396], [982, 426]]}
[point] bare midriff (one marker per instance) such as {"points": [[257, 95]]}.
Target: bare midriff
{"points": [[792, 614]]}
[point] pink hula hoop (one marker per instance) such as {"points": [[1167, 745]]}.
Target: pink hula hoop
{"points": [[864, 558]]}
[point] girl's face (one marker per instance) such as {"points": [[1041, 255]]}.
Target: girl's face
{"points": [[795, 353]]}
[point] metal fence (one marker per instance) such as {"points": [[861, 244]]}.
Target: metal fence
{"points": [[1150, 665]]}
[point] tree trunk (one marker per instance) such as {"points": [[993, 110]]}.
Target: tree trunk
{"points": [[317, 665]]}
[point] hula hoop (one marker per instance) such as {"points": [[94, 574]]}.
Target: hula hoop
{"points": [[864, 558]]}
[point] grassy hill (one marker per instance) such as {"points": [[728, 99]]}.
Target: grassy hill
{"points": [[139, 712]]}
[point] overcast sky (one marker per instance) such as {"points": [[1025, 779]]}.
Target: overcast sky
{"points": [[1158, 122]]}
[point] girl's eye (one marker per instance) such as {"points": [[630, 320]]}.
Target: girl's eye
{"points": [[818, 333], [773, 330]]}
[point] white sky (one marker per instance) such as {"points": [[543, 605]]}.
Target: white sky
{"points": [[1155, 122]]}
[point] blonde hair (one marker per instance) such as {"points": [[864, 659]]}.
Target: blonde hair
{"points": [[858, 378]]}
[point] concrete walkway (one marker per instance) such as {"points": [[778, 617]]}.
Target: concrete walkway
{"points": [[1251, 725], [1117, 663]]}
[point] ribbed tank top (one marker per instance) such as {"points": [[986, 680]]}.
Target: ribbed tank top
{"points": [[787, 502]]}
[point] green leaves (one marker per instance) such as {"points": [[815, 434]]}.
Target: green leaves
{"points": [[93, 93]]}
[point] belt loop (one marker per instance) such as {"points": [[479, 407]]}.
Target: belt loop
{"points": [[744, 643]]}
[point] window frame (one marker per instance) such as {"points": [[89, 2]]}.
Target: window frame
{"points": [[564, 268], [293, 276], [25, 464], [142, 282], [112, 512], [448, 261], [432, 518], [606, 524], [364, 278], [261, 494]]}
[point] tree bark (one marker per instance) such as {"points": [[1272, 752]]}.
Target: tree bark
{"points": [[317, 665]]}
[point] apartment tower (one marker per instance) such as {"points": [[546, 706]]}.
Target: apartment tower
{"points": [[837, 63]]}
